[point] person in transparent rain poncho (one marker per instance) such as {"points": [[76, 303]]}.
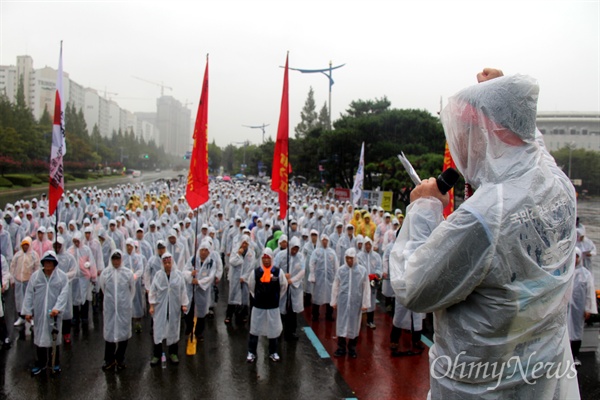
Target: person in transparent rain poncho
{"points": [[497, 273], [118, 285], [350, 296], [581, 305], [323, 266], [45, 300], [167, 298]]}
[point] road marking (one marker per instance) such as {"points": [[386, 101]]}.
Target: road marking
{"points": [[316, 342]]}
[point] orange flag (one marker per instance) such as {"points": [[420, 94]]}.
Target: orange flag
{"points": [[281, 165], [449, 163], [196, 192]]}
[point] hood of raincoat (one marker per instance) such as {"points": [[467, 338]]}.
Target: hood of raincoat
{"points": [[490, 129]]}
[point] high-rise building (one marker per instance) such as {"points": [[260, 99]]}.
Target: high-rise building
{"points": [[174, 122], [9, 82]]}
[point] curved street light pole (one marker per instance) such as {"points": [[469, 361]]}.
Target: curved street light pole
{"points": [[328, 72]]}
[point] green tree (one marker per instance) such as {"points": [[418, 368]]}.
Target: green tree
{"points": [[323, 120], [308, 116]]}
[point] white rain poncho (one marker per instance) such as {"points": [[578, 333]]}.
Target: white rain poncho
{"points": [[205, 274], [345, 242], [307, 250], [297, 272], [386, 286], [351, 292], [497, 273], [4, 281], [267, 321], [44, 294], [135, 262], [178, 250], [583, 299], [323, 266], [587, 247], [81, 287], [372, 262], [154, 265], [119, 289], [167, 295], [241, 266], [22, 267], [68, 265]]}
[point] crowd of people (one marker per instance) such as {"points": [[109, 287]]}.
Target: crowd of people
{"points": [[506, 275], [137, 251]]}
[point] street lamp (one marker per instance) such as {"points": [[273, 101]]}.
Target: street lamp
{"points": [[263, 126], [328, 73]]}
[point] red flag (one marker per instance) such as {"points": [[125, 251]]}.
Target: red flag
{"points": [[281, 165], [196, 192], [448, 163], [59, 147]]}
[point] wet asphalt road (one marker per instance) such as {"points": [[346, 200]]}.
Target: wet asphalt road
{"points": [[217, 371]]}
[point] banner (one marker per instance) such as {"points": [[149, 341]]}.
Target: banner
{"points": [[196, 192], [59, 145], [281, 166], [372, 198]]}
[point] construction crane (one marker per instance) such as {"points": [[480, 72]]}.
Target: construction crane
{"points": [[162, 85], [106, 93], [263, 126]]}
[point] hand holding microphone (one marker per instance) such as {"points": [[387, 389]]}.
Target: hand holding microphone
{"points": [[436, 187]]}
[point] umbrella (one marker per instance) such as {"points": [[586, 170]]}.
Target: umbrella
{"points": [[226, 178]]}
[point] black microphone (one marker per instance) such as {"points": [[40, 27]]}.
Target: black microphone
{"points": [[446, 180]]}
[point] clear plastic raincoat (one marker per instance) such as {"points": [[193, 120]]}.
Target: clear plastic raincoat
{"points": [[351, 292], [119, 289], [323, 267], [44, 294], [497, 273]]}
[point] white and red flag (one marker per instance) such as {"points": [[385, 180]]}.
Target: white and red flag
{"points": [[59, 146]]}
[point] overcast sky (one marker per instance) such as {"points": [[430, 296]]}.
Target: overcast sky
{"points": [[413, 52]]}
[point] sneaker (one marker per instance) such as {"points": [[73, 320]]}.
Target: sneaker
{"points": [[36, 371], [352, 353], [6, 344], [339, 353], [154, 361], [576, 362], [56, 369], [274, 357], [67, 338], [121, 366], [138, 328], [20, 321], [174, 359], [108, 367], [371, 325], [250, 358]]}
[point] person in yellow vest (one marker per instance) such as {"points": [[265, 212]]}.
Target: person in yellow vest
{"points": [[367, 227]]}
